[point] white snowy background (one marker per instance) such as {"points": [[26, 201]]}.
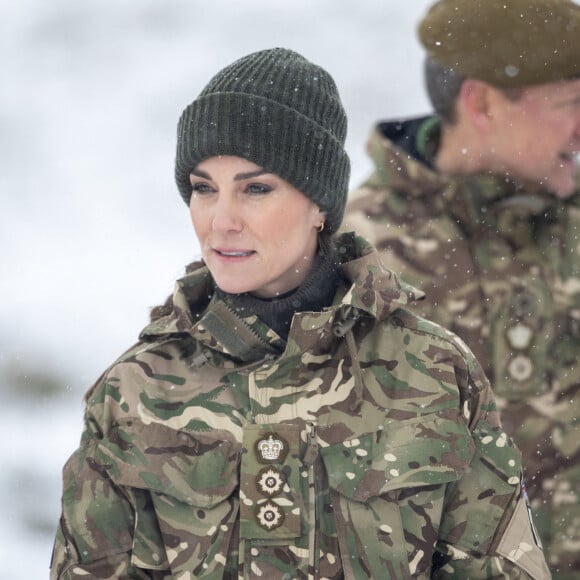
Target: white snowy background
{"points": [[92, 230]]}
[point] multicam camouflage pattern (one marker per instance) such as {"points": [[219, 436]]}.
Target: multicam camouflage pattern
{"points": [[502, 270], [368, 447]]}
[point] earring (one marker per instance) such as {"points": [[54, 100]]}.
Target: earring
{"points": [[320, 227]]}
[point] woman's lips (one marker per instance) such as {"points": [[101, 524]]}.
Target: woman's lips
{"points": [[236, 253], [233, 254]]}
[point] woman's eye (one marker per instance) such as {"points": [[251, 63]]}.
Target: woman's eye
{"points": [[258, 188], [201, 187]]}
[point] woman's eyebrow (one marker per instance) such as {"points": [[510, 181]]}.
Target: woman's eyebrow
{"points": [[250, 175], [199, 173], [237, 177]]}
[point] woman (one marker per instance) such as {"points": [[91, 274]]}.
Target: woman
{"points": [[283, 416]]}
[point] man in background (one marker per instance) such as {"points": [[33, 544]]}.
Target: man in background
{"points": [[478, 204]]}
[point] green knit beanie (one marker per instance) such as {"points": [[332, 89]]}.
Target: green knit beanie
{"points": [[279, 111]]}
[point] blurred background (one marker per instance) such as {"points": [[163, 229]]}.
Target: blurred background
{"points": [[92, 230]]}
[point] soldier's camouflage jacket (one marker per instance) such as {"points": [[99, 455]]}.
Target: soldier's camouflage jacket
{"points": [[501, 269], [367, 446]]}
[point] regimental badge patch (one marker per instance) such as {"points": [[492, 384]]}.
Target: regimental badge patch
{"points": [[270, 481], [269, 516]]}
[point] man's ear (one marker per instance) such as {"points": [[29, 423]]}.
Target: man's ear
{"points": [[475, 102]]}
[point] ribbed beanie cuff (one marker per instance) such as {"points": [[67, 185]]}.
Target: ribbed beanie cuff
{"points": [[279, 111]]}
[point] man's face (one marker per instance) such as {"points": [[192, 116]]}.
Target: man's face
{"points": [[537, 136]]}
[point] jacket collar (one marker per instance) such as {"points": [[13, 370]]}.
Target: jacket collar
{"points": [[368, 288], [398, 150], [374, 289]]}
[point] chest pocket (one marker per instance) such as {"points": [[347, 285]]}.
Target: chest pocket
{"points": [[388, 490], [520, 333], [182, 488]]}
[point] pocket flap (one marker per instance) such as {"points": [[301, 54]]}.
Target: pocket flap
{"points": [[197, 469], [424, 451]]}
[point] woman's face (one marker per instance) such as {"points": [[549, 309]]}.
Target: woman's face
{"points": [[257, 233]]}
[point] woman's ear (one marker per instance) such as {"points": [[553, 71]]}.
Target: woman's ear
{"points": [[320, 220]]}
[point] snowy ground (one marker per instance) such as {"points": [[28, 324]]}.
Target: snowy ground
{"points": [[92, 230]]}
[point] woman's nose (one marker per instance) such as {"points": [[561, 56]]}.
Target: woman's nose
{"points": [[227, 216]]}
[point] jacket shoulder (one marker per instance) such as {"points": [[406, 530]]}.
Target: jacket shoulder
{"points": [[406, 318]]}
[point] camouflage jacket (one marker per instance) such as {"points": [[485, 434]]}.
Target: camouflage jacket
{"points": [[501, 269], [367, 446]]}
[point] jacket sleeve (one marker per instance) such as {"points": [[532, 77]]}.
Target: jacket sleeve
{"points": [[95, 533], [487, 530]]}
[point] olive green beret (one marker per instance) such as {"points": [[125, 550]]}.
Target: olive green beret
{"points": [[507, 43]]}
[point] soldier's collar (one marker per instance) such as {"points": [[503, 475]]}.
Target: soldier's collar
{"points": [[427, 139]]}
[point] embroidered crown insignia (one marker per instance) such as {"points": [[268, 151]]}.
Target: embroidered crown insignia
{"points": [[271, 449]]}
